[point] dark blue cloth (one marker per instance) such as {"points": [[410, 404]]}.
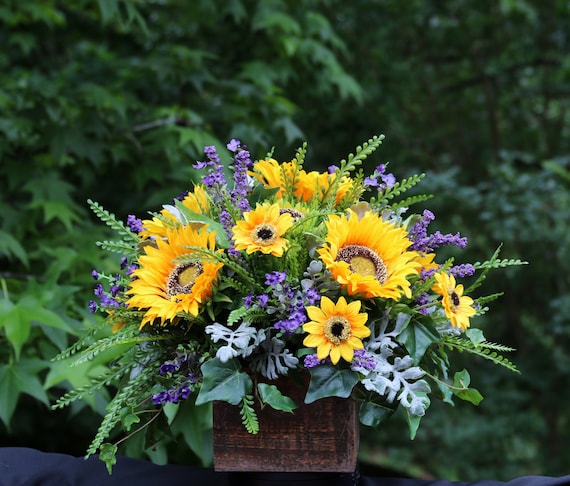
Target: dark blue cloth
{"points": [[21, 466]]}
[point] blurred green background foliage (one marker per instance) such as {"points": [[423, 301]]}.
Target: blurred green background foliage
{"points": [[114, 100]]}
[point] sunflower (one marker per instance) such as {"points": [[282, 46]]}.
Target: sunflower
{"points": [[336, 329], [368, 256], [166, 288], [274, 175], [315, 184], [196, 202], [458, 307], [262, 230]]}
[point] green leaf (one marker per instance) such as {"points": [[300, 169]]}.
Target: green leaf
{"points": [[16, 325], [223, 381], [475, 336], [194, 423], [328, 381], [413, 423], [461, 381], [271, 395], [107, 454], [192, 217], [129, 418], [417, 338], [17, 378], [373, 414], [10, 246]]}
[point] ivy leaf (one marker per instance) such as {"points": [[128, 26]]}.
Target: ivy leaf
{"points": [[372, 414], [328, 381], [271, 395], [107, 454], [129, 418], [417, 338], [461, 389], [223, 381]]}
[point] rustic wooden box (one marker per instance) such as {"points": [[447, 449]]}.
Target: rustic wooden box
{"points": [[320, 437]]}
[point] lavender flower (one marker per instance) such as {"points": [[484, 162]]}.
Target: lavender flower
{"points": [[425, 243], [464, 270], [312, 360], [362, 359], [134, 223]]}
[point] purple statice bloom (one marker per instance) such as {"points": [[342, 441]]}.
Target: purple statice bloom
{"points": [[124, 262], [262, 300], [312, 360], [275, 278], [248, 301], [362, 359], [99, 291], [233, 145], [106, 298], [389, 180], [184, 392], [380, 179], [312, 296], [172, 395], [134, 223], [95, 274], [169, 367], [290, 324], [464, 270]]}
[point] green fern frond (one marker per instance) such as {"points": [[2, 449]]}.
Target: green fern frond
{"points": [[410, 201], [111, 220], [127, 394], [488, 298], [119, 339], [361, 154], [498, 263], [82, 343], [121, 247], [111, 376], [485, 350], [399, 188], [347, 166], [301, 154], [248, 415], [244, 313], [237, 285]]}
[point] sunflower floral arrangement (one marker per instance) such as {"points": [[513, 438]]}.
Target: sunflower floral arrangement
{"points": [[265, 270]]}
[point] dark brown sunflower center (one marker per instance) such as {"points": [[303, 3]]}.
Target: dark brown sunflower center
{"points": [[296, 215], [337, 329], [182, 278], [364, 261], [264, 234], [454, 298]]}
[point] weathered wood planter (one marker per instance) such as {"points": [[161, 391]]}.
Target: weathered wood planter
{"points": [[319, 437]]}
